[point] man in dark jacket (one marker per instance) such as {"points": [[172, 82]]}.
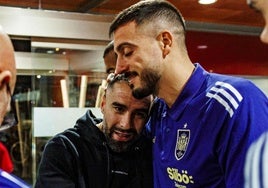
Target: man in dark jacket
{"points": [[112, 152]]}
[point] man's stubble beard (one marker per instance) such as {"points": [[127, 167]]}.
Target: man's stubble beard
{"points": [[118, 146], [149, 84]]}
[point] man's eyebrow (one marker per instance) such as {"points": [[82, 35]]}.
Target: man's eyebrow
{"points": [[145, 110], [122, 45], [118, 104]]}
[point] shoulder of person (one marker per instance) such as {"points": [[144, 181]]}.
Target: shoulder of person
{"points": [[67, 139]]}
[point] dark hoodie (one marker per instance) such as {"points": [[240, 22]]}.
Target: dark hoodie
{"points": [[79, 157]]}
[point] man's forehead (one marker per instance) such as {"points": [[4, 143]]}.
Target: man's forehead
{"points": [[127, 30]]}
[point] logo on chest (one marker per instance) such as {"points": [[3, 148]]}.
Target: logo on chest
{"points": [[183, 137]]}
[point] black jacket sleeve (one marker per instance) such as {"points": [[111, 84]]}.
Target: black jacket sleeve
{"points": [[57, 168]]}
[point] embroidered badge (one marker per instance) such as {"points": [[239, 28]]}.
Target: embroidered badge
{"points": [[183, 137]]}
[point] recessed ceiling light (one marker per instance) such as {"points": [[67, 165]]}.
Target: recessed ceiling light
{"points": [[206, 2], [202, 47]]}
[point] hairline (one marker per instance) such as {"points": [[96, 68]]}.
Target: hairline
{"points": [[128, 15]]}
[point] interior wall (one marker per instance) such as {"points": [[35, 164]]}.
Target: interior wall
{"points": [[228, 53]]}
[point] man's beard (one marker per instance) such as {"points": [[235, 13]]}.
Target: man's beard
{"points": [[149, 79], [119, 146]]}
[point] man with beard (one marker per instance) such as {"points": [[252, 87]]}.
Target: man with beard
{"points": [[108, 153], [202, 123]]}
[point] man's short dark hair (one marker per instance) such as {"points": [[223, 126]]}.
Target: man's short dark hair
{"points": [[112, 79], [145, 11]]}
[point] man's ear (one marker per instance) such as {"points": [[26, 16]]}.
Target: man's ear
{"points": [[103, 102], [165, 38], [5, 77]]}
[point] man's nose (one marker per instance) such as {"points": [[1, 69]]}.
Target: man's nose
{"points": [[125, 122], [121, 66]]}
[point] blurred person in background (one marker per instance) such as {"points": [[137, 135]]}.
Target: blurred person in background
{"points": [[256, 168], [7, 85], [109, 57]]}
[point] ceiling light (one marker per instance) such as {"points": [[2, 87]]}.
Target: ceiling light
{"points": [[202, 47], [206, 2]]}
